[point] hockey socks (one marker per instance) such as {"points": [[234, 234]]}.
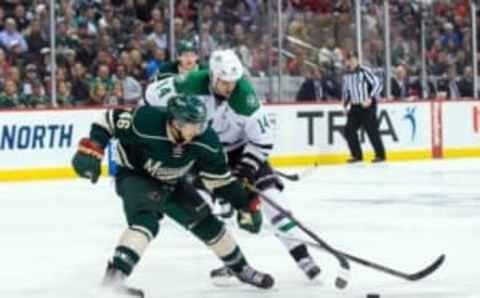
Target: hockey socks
{"points": [[132, 244]]}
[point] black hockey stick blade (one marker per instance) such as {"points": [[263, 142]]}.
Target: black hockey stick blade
{"points": [[411, 277], [297, 176], [428, 270], [341, 281], [291, 177]]}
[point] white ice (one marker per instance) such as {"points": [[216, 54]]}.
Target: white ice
{"points": [[55, 237]]}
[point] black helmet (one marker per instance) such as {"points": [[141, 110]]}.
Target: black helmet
{"points": [[187, 109]]}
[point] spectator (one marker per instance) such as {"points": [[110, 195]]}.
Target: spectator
{"points": [[447, 85], [131, 88], [465, 83], [440, 67], [99, 94], [451, 35], [38, 98], [208, 43], [296, 65], [185, 11], [10, 98], [153, 65], [36, 41], [21, 17], [103, 78], [64, 98], [220, 36], [15, 75], [2, 18], [30, 76], [10, 36], [159, 36], [4, 66], [143, 9], [318, 87], [17, 56], [80, 87], [399, 83], [118, 33]]}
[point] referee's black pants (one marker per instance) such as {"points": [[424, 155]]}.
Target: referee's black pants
{"points": [[357, 117]]}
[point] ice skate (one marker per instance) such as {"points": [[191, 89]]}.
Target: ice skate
{"points": [[309, 267], [114, 280], [255, 278], [225, 276]]}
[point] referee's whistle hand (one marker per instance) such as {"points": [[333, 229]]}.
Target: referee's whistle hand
{"points": [[367, 103]]}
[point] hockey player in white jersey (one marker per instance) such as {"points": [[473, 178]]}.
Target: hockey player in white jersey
{"points": [[244, 128]]}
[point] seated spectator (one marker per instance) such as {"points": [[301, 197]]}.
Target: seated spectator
{"points": [[415, 89], [17, 56], [318, 87], [36, 41], [10, 98], [38, 98], [447, 85], [10, 35], [220, 36], [4, 65], [80, 87], [131, 89], [185, 10], [31, 75], [21, 17], [104, 78], [159, 36], [64, 98], [465, 83], [153, 64], [15, 75], [440, 67], [99, 95], [399, 83], [296, 64]]}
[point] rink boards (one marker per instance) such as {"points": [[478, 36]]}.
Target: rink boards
{"points": [[40, 144]]}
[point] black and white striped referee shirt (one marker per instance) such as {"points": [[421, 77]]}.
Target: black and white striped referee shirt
{"points": [[360, 85]]}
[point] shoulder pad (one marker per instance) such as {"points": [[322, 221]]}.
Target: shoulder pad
{"points": [[244, 100], [148, 120]]}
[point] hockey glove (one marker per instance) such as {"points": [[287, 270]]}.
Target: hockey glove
{"points": [[250, 218], [87, 160], [245, 172]]}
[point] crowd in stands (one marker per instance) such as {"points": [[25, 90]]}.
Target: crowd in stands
{"points": [[107, 50]]}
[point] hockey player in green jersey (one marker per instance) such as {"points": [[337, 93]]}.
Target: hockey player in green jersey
{"points": [[156, 148], [187, 61], [244, 128]]}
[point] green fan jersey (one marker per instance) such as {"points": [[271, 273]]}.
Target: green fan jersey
{"points": [[144, 147]]}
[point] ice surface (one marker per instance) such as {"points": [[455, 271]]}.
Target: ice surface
{"points": [[57, 236]]}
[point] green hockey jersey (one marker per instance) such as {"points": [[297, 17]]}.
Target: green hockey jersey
{"points": [[171, 68], [239, 120], [144, 147]]}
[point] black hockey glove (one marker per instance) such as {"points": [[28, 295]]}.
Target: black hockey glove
{"points": [[245, 172], [87, 160]]}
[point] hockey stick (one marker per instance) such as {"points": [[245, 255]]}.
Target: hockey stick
{"points": [[297, 176], [411, 277], [342, 279]]}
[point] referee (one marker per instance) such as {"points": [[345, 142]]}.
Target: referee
{"points": [[360, 90]]}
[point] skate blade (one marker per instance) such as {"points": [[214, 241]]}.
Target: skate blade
{"points": [[226, 282]]}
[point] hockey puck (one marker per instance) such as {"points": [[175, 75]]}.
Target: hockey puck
{"points": [[373, 296]]}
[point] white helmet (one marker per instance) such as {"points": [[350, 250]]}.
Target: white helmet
{"points": [[225, 65]]}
